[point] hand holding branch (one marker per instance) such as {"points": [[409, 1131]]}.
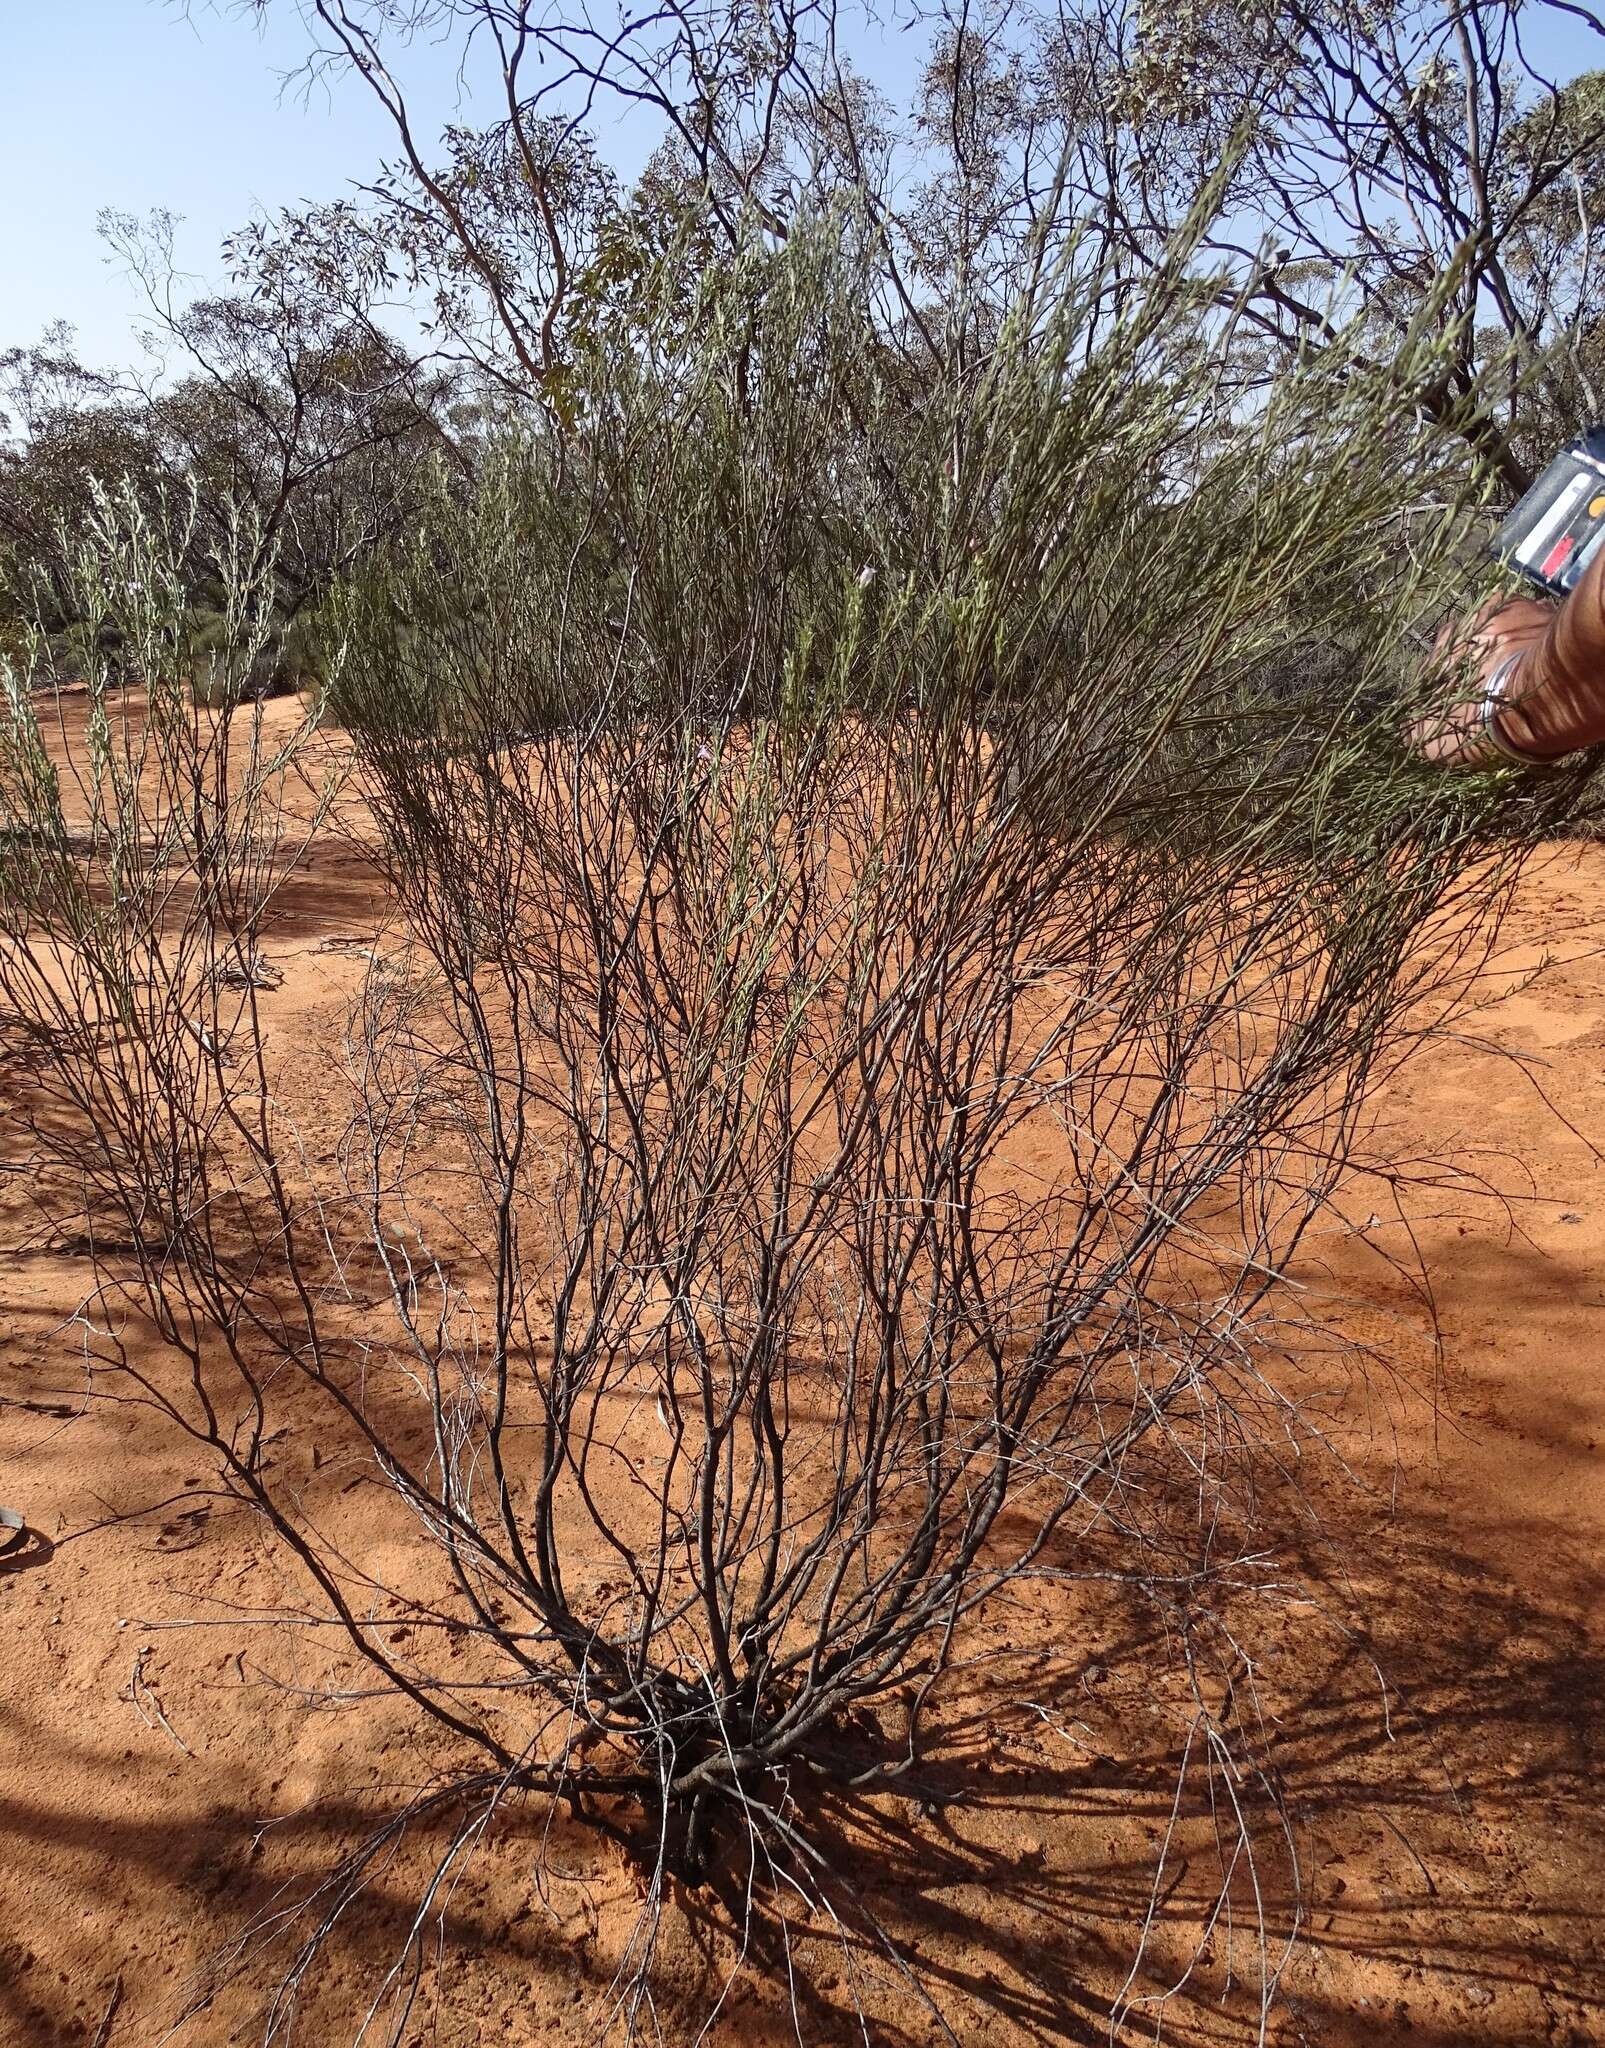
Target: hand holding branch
{"points": [[1536, 675]]}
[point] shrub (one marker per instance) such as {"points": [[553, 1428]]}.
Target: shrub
{"points": [[760, 917]]}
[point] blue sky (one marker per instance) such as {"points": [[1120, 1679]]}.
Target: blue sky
{"points": [[121, 103], [127, 103]]}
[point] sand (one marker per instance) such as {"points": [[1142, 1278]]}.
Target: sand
{"points": [[1429, 1674]]}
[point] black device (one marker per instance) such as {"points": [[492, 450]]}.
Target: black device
{"points": [[1559, 526]]}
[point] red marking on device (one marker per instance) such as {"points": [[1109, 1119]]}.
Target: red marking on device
{"points": [[1557, 555]]}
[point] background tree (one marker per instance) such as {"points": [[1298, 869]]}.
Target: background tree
{"points": [[1374, 150], [63, 429], [1371, 151], [268, 401], [280, 400]]}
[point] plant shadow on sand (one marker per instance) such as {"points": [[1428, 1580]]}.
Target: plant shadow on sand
{"points": [[1437, 1779], [1436, 1772]]}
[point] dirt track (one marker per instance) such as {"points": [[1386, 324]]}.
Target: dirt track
{"points": [[1443, 1776]]}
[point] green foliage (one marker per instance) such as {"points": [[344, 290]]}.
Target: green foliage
{"points": [[1091, 549]]}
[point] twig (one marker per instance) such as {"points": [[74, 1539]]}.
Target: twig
{"points": [[148, 1706], [103, 2031]]}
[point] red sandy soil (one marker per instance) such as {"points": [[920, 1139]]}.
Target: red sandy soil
{"points": [[1441, 1771]]}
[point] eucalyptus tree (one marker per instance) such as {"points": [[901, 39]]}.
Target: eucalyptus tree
{"points": [[1372, 150]]}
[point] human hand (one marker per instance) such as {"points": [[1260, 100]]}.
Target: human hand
{"points": [[1478, 648]]}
